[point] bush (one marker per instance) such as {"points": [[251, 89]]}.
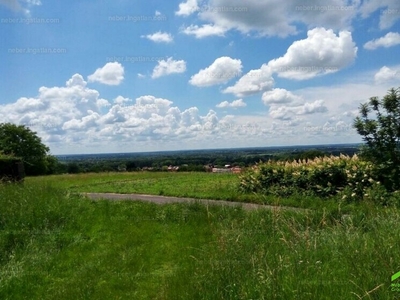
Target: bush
{"points": [[379, 125], [11, 169], [322, 176]]}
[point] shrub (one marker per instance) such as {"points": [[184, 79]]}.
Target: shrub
{"points": [[11, 169], [322, 176]]}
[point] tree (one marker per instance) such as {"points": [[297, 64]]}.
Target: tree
{"points": [[379, 124], [73, 168], [20, 141]]}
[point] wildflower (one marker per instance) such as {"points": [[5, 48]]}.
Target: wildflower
{"points": [[353, 195], [344, 197]]}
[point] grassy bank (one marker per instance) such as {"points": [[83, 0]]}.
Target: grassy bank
{"points": [[55, 245]]}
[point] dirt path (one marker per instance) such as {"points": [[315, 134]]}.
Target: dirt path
{"points": [[164, 200]]}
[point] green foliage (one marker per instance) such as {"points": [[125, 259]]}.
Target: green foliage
{"points": [[379, 125], [326, 176], [11, 169], [20, 141]]}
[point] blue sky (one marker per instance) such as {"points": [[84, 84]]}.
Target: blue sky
{"points": [[132, 76]]}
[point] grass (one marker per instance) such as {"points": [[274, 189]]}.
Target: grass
{"points": [[219, 186], [180, 184], [57, 245]]}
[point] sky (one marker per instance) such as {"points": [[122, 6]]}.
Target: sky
{"points": [[134, 76]]}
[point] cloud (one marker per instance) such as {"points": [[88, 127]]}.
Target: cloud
{"points": [[16, 5], [121, 100], [73, 118], [388, 9], [76, 80], [385, 75], [111, 74], [270, 18], [74, 115], [288, 112], [54, 106], [220, 71], [167, 67], [255, 81], [11, 4], [159, 37], [187, 8], [204, 31], [389, 40], [322, 52], [278, 96], [233, 104]]}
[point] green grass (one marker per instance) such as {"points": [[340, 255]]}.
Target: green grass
{"points": [[219, 186], [180, 184], [57, 245]]}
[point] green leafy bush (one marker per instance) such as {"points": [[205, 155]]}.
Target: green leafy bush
{"points": [[322, 176], [379, 125]]}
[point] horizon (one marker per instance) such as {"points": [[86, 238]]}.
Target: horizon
{"points": [[212, 149]]}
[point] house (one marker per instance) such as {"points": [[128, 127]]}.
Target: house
{"points": [[173, 168], [221, 170], [236, 170]]}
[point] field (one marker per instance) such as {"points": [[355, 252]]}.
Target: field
{"points": [[220, 186], [56, 244]]}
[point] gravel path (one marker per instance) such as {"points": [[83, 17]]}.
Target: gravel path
{"points": [[164, 200]]}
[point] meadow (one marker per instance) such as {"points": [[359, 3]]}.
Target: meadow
{"points": [[57, 244], [200, 185]]}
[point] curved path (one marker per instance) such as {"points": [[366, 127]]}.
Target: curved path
{"points": [[165, 200]]}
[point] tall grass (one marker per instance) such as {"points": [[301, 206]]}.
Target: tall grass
{"points": [[56, 245]]}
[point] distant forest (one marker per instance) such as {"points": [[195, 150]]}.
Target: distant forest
{"points": [[193, 160]]}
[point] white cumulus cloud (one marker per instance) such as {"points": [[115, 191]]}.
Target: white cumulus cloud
{"points": [[278, 96], [386, 74], [253, 82], [167, 67], [389, 40], [220, 71], [111, 74], [159, 37], [205, 30], [288, 112], [187, 8], [233, 104], [322, 52]]}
